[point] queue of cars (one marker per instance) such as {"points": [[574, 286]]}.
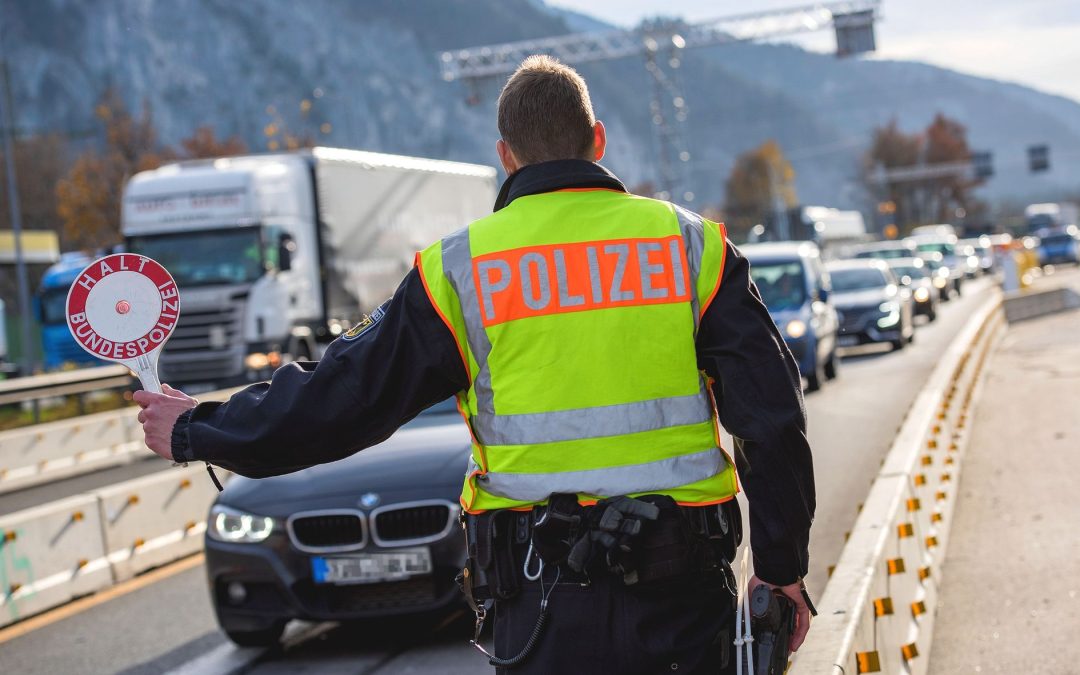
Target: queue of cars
{"points": [[870, 296]]}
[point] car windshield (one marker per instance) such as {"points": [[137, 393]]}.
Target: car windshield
{"points": [[857, 279], [937, 247], [54, 306], [913, 273], [781, 285], [443, 412], [1057, 239], [206, 257], [885, 253]]}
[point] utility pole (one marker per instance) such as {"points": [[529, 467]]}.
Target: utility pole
{"points": [[7, 118]]}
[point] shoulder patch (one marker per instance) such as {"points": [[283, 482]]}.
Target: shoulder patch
{"points": [[366, 323]]}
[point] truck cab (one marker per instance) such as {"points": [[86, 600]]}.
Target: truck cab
{"points": [[276, 255], [59, 348]]}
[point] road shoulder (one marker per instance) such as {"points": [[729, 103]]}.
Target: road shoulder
{"points": [[1008, 601]]}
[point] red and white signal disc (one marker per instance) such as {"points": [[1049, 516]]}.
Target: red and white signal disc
{"points": [[122, 307]]}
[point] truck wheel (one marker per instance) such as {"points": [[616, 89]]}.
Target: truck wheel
{"points": [[268, 637]]}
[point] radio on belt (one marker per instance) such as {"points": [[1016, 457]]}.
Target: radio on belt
{"points": [[123, 308]]}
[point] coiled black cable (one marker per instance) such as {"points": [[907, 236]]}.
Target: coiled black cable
{"points": [[538, 629]]}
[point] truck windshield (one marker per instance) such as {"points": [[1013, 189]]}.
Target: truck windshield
{"points": [[54, 306], [782, 285], [206, 257]]}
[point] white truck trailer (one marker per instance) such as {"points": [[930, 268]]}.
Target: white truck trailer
{"points": [[276, 255]]}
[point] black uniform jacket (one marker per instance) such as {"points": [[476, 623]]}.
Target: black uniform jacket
{"points": [[364, 388]]}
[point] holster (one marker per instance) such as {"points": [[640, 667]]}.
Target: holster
{"points": [[490, 572]]}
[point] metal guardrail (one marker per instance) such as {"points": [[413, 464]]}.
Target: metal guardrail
{"points": [[42, 453], [54, 553], [877, 612], [22, 389], [75, 382]]}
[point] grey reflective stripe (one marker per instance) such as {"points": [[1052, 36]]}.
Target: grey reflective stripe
{"points": [[458, 268], [597, 422], [662, 474], [693, 233]]}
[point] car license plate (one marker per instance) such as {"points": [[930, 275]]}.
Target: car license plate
{"points": [[370, 568], [848, 340]]}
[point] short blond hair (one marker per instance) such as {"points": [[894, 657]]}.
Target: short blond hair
{"points": [[545, 112]]}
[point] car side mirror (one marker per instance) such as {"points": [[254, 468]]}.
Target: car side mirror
{"points": [[286, 247]]}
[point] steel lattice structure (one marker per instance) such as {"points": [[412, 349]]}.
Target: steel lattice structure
{"points": [[655, 40]]}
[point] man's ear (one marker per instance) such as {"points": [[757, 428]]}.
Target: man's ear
{"points": [[506, 157], [599, 141]]}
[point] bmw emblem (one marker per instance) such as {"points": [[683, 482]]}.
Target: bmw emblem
{"points": [[369, 500]]}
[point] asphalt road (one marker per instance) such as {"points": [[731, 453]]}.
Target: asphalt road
{"points": [[169, 625]]}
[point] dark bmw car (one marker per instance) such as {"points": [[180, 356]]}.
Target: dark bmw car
{"points": [[372, 535]]}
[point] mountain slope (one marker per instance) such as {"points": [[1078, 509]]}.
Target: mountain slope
{"points": [[238, 66]]}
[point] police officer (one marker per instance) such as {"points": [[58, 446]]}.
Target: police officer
{"points": [[594, 339]]}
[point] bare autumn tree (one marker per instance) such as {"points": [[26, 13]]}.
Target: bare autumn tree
{"points": [[203, 144], [89, 196], [928, 200], [760, 179]]}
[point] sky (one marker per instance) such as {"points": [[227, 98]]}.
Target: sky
{"points": [[1032, 42]]}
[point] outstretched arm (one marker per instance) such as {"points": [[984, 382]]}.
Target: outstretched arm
{"points": [[362, 390]]}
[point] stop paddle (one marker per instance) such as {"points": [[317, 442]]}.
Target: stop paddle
{"points": [[123, 308]]}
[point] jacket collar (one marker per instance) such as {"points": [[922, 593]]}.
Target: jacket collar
{"points": [[558, 174]]}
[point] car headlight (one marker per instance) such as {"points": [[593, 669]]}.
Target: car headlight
{"points": [[230, 525], [795, 328], [972, 261], [258, 360], [940, 281], [921, 294], [892, 314]]}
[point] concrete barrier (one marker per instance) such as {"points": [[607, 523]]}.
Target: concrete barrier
{"points": [[49, 555], [153, 520], [1021, 305], [877, 612], [46, 452], [42, 453], [54, 553]]}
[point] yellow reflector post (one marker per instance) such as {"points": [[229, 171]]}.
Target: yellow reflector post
{"points": [[883, 607], [909, 651], [868, 662], [920, 479], [918, 608], [905, 530], [913, 504], [924, 573], [895, 565]]}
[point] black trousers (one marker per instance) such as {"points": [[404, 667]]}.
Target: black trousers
{"points": [[682, 625]]}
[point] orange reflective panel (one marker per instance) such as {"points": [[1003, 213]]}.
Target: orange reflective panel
{"points": [[553, 279]]}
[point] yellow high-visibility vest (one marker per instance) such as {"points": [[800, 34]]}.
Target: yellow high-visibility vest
{"points": [[576, 314]]}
